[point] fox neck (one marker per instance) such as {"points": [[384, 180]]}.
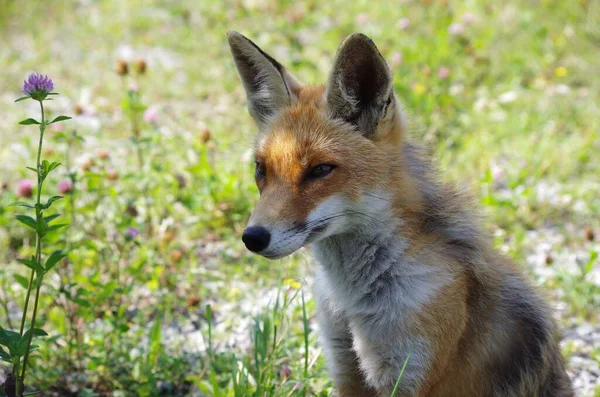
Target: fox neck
{"points": [[368, 266], [357, 258]]}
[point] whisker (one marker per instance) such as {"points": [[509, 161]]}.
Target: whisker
{"points": [[307, 227], [371, 218], [322, 220], [378, 197]]}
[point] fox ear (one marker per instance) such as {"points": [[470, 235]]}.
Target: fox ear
{"points": [[360, 88], [269, 87]]}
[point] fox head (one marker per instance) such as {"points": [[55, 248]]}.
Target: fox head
{"points": [[325, 155]]}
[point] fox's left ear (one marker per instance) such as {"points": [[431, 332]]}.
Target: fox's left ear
{"points": [[269, 87], [360, 88]]}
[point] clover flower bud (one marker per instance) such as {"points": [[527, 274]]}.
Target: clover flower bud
{"points": [[141, 66], [122, 68]]}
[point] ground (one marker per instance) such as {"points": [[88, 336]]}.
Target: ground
{"points": [[505, 94]]}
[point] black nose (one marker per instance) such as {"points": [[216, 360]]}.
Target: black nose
{"points": [[256, 238]]}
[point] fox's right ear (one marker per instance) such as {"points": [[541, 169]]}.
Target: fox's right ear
{"points": [[269, 87]]}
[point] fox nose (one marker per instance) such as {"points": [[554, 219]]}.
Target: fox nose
{"points": [[256, 238]]}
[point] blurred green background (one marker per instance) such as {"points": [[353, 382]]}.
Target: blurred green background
{"points": [[504, 93]]}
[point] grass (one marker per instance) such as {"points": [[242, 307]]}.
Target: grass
{"points": [[515, 120]]}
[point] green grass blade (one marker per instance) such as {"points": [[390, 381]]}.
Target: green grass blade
{"points": [[397, 385]]}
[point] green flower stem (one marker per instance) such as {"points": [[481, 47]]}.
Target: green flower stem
{"points": [[20, 382], [16, 375], [38, 245], [35, 307], [39, 153], [27, 298]]}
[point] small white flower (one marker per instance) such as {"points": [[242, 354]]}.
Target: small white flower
{"points": [[456, 89], [562, 89], [508, 97], [362, 18], [456, 29], [396, 59], [469, 18], [403, 23]]}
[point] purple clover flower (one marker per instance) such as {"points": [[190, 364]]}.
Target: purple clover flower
{"points": [[37, 86], [25, 188], [131, 233], [65, 187]]}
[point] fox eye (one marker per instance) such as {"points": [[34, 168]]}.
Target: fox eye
{"points": [[261, 170], [321, 171]]}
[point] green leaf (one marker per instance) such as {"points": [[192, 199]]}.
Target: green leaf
{"points": [[32, 264], [155, 342], [8, 336], [33, 393], [60, 118], [29, 121], [23, 281], [56, 227], [33, 169], [50, 218], [27, 220], [590, 263], [22, 345], [48, 166], [50, 201], [22, 98], [20, 204], [5, 356], [82, 302], [36, 332], [10, 339], [51, 166], [53, 259]]}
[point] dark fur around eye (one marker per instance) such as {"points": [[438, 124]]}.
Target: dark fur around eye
{"points": [[261, 170], [320, 171]]}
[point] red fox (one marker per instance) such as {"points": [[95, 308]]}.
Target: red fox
{"points": [[405, 274]]}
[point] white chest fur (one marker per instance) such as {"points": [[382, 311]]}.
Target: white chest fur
{"points": [[366, 281]]}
